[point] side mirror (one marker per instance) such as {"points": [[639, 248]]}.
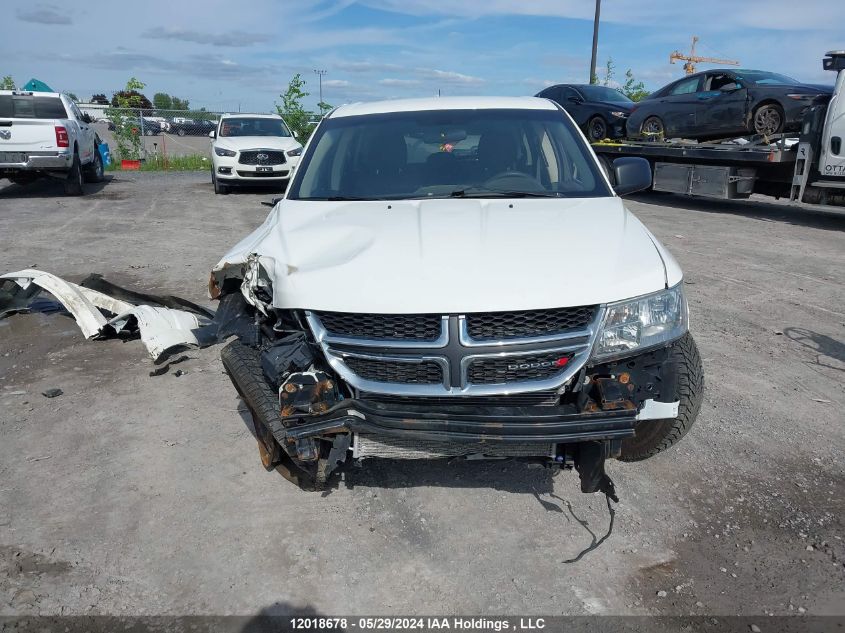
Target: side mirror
{"points": [[212, 134], [631, 173], [86, 118]]}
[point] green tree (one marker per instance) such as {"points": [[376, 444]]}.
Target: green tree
{"points": [[633, 89], [100, 98], [124, 115], [324, 107], [609, 71], [292, 111], [179, 104], [162, 101], [8, 83]]}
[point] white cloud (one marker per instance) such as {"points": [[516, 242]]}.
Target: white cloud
{"points": [[447, 76], [398, 83]]}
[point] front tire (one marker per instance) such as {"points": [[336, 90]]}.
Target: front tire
{"points": [[655, 436], [653, 129], [73, 182], [218, 187], [768, 119], [95, 172], [596, 129]]}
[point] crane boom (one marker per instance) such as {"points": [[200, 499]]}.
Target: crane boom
{"points": [[692, 59]]}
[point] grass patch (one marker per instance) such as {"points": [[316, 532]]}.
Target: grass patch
{"points": [[191, 162]]}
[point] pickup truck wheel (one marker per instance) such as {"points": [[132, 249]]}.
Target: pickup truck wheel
{"points": [[94, 172], [181, 131], [655, 436], [73, 182]]}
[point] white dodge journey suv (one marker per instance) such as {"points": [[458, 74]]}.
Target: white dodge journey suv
{"points": [[252, 149], [457, 277]]}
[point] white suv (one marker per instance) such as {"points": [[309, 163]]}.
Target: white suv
{"points": [[252, 149], [458, 277]]}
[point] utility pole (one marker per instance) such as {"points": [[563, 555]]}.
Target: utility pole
{"points": [[595, 42], [320, 74]]}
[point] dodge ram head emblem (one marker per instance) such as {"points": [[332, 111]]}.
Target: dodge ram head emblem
{"points": [[262, 157], [6, 134]]}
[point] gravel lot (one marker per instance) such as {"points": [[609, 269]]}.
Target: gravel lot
{"points": [[132, 494]]}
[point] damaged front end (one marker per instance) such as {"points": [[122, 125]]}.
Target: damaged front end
{"points": [[326, 389]]}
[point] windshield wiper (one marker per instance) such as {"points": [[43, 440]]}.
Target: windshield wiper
{"points": [[478, 192], [341, 199]]}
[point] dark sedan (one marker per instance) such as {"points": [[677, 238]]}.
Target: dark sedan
{"points": [[192, 128], [725, 103], [598, 110]]}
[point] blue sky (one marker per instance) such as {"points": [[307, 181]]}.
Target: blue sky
{"points": [[224, 54]]}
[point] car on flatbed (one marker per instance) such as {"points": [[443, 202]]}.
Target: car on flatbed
{"points": [[601, 112], [457, 278], [45, 134], [721, 103]]}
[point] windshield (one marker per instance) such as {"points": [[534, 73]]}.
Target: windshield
{"points": [[766, 78], [253, 126], [448, 153], [602, 93]]}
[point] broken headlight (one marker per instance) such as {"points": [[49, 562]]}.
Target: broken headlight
{"points": [[636, 324]]}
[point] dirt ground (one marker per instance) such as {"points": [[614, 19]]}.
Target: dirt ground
{"points": [[132, 494]]}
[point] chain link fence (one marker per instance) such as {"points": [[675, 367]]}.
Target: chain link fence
{"points": [[177, 137]]}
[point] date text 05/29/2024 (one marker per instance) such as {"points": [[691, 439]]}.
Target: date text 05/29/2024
{"points": [[416, 623]]}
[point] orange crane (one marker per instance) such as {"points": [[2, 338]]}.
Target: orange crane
{"points": [[692, 59]]}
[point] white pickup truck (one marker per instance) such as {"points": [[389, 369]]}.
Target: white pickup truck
{"points": [[45, 134]]}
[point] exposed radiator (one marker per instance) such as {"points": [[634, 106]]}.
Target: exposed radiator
{"points": [[397, 448]]}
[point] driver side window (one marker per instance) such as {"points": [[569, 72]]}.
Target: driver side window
{"points": [[685, 87]]}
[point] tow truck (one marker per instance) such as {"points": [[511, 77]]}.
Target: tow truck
{"points": [[809, 170]]}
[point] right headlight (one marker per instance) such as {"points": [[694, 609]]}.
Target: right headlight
{"points": [[637, 324], [222, 151]]}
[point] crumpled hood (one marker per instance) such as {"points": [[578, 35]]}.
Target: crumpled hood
{"points": [[238, 143], [453, 256]]}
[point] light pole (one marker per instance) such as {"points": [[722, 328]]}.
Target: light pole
{"points": [[595, 42], [320, 74]]}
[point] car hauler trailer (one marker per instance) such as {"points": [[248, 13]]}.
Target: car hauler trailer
{"points": [[810, 171]]}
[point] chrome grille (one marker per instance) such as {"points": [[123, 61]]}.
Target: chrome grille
{"points": [[526, 323], [417, 327], [405, 373], [261, 157], [500, 371], [443, 355]]}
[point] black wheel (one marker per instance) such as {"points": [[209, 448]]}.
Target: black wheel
{"points": [[94, 172], [181, 131], [218, 188], [653, 129], [73, 182], [596, 129], [655, 436], [767, 119]]}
